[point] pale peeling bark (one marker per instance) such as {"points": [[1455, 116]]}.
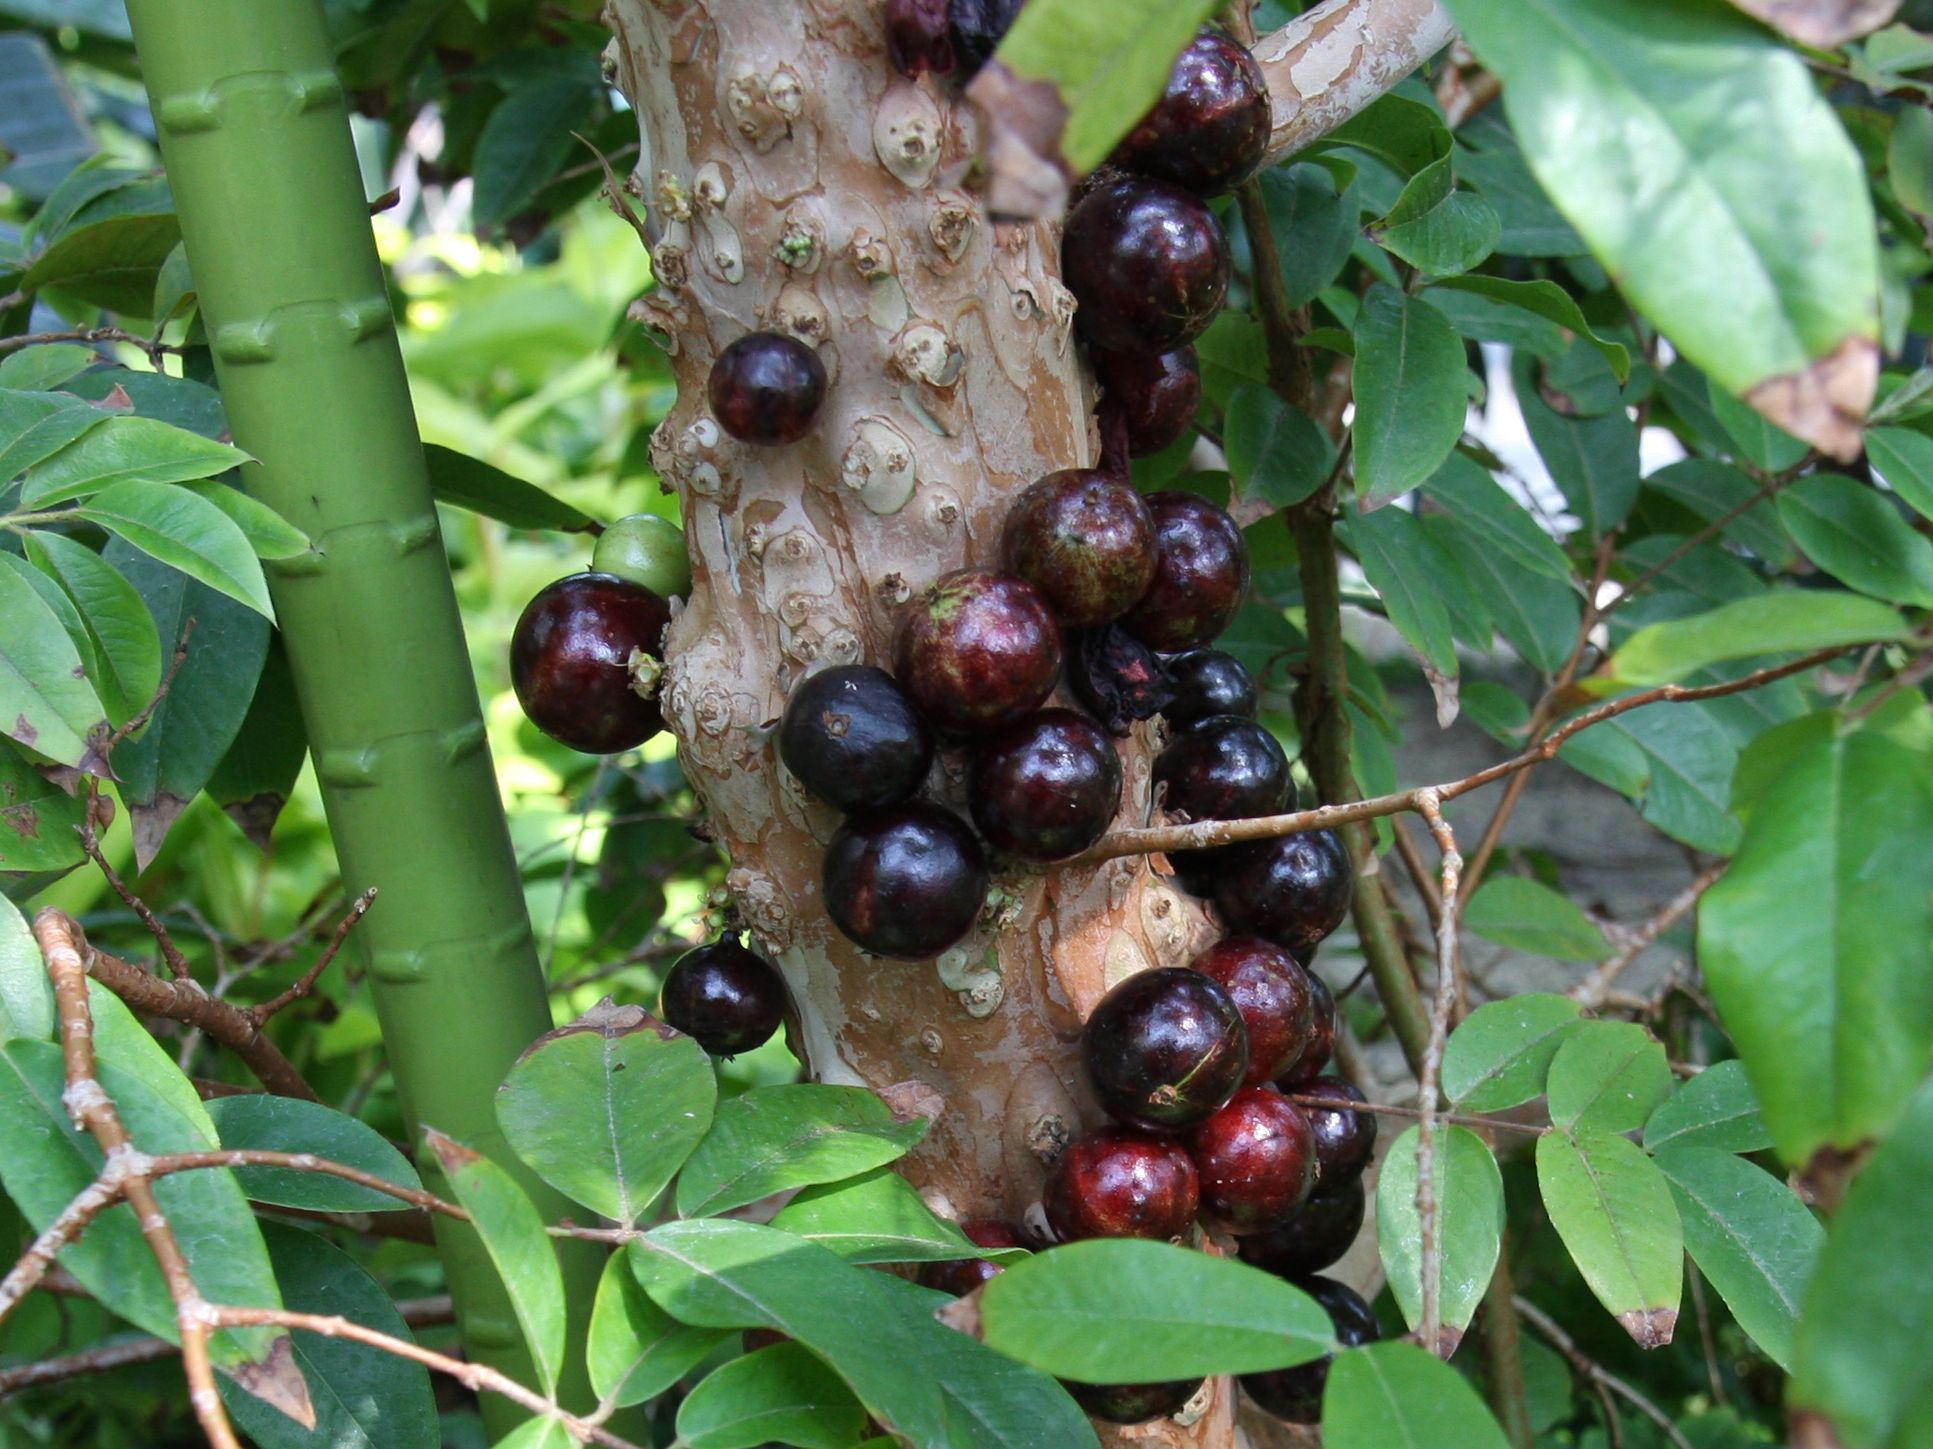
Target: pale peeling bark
{"points": [[1325, 66]]}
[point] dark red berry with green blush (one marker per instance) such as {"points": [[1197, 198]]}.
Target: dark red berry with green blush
{"points": [[1046, 788], [581, 653], [1133, 1403], [1085, 540], [1227, 768], [978, 649], [1322, 1038], [725, 997], [962, 1275], [1155, 397], [1295, 1394], [853, 738], [1200, 575], [1210, 129], [906, 881], [766, 388], [1311, 1238], [1116, 676], [1345, 1138], [1257, 1160], [1292, 890], [1118, 1183], [1207, 683], [1165, 1049], [1274, 996], [1148, 264]]}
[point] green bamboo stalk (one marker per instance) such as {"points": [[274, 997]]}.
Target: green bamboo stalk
{"points": [[256, 141]]}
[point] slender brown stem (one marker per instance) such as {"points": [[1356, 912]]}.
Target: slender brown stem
{"points": [[1592, 991], [1430, 1321], [261, 1015], [1595, 1373], [1390, 1109], [1500, 1347]]}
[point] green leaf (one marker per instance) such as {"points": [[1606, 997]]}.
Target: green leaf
{"points": [[782, 1394], [1593, 460], [126, 450], [46, 702], [1437, 228], [1752, 243], [878, 1217], [1817, 944], [1904, 459], [608, 1108], [1784, 621], [1613, 1209], [636, 1350], [1313, 216], [1390, 1394], [545, 1433], [46, 366], [1469, 1225], [525, 142], [184, 531], [1674, 760], [1546, 300], [1718, 492], [1607, 1075], [288, 1124], [513, 1234], [1399, 562], [773, 1138], [1400, 131], [253, 780], [55, 598], [1410, 394], [466, 482], [1122, 1310], [1526, 915], [268, 533], [26, 995], [1499, 523], [1750, 1236], [56, 423], [1499, 1055], [38, 825], [1717, 1109], [1865, 1338], [938, 1388], [109, 263], [1857, 536], [126, 649], [1276, 453]]}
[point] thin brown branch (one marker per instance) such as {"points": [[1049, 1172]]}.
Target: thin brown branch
{"points": [[1283, 324], [1390, 1109], [1419, 873], [175, 661], [1360, 48], [38, 1261], [1593, 990], [1643, 581], [163, 1164], [1430, 1320], [154, 347], [1596, 1374], [91, 844], [261, 1015]]}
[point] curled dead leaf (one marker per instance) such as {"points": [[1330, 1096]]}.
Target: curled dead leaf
{"points": [[1027, 177], [277, 1381], [1827, 403], [1821, 23]]}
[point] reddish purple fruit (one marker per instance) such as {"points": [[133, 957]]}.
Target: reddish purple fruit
{"points": [[1046, 788], [1207, 683], [1085, 540], [1165, 1049], [1257, 1159], [1295, 1394], [852, 737], [1293, 890], [575, 662], [725, 997], [978, 649], [1200, 575], [1210, 129], [1155, 397], [918, 37], [1116, 676], [1312, 1237], [1345, 1139], [978, 26], [907, 881], [766, 388], [1148, 264], [1322, 1038], [1133, 1403], [1227, 768], [962, 1275], [1117, 1183], [1274, 996]]}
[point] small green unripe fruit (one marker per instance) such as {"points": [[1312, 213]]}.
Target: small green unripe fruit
{"points": [[648, 550]]}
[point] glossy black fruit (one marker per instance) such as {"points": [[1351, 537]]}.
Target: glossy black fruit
{"points": [[962, 1275], [1155, 397], [906, 881], [727, 998], [766, 388], [1165, 1049], [1257, 1159], [1273, 994], [919, 37], [1118, 1183], [978, 26], [1133, 1403], [1313, 1237], [1047, 787], [1116, 676], [1345, 1139], [1225, 768], [1200, 574], [978, 649], [580, 653], [1148, 264], [1295, 1394], [1322, 1038], [1085, 540], [853, 738], [1210, 129], [1292, 890], [1208, 683]]}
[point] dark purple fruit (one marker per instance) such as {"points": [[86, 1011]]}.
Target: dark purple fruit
{"points": [[579, 656], [726, 998], [1274, 996], [1155, 397], [1292, 890], [907, 881], [1133, 1403], [1116, 676], [1085, 540], [918, 37], [766, 388], [1117, 1183], [1210, 129], [1295, 1394], [978, 26], [962, 1275], [1225, 768], [1345, 1139], [1322, 1038], [1257, 1159], [1165, 1049], [1200, 575], [1312, 1237], [978, 649], [853, 738], [1148, 264], [1046, 788], [1207, 683]]}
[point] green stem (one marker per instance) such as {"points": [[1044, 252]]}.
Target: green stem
{"points": [[256, 141]]}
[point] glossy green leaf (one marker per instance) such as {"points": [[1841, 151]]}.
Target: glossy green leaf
{"points": [[1613, 1209], [466, 482], [526, 141], [1313, 217], [1717, 492], [46, 702], [1817, 944], [1858, 537], [878, 1217], [1499, 523], [1398, 560], [38, 822], [1402, 132], [288, 1124], [127, 651], [1675, 761], [56, 423], [55, 598], [1500, 1054], [127, 450], [537, 1434], [1526, 915], [187, 532], [254, 778], [45, 366], [1593, 460], [109, 263], [1543, 299], [636, 1350], [1390, 1394], [268, 533], [1436, 227], [1904, 459], [783, 1394], [1277, 454], [1607, 1075], [1784, 621], [1410, 394], [774, 1138], [26, 995], [1469, 1225], [1716, 1109]]}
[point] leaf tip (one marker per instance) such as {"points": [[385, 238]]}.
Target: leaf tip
{"points": [[1650, 1327], [277, 1381], [1826, 404], [451, 1154]]}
